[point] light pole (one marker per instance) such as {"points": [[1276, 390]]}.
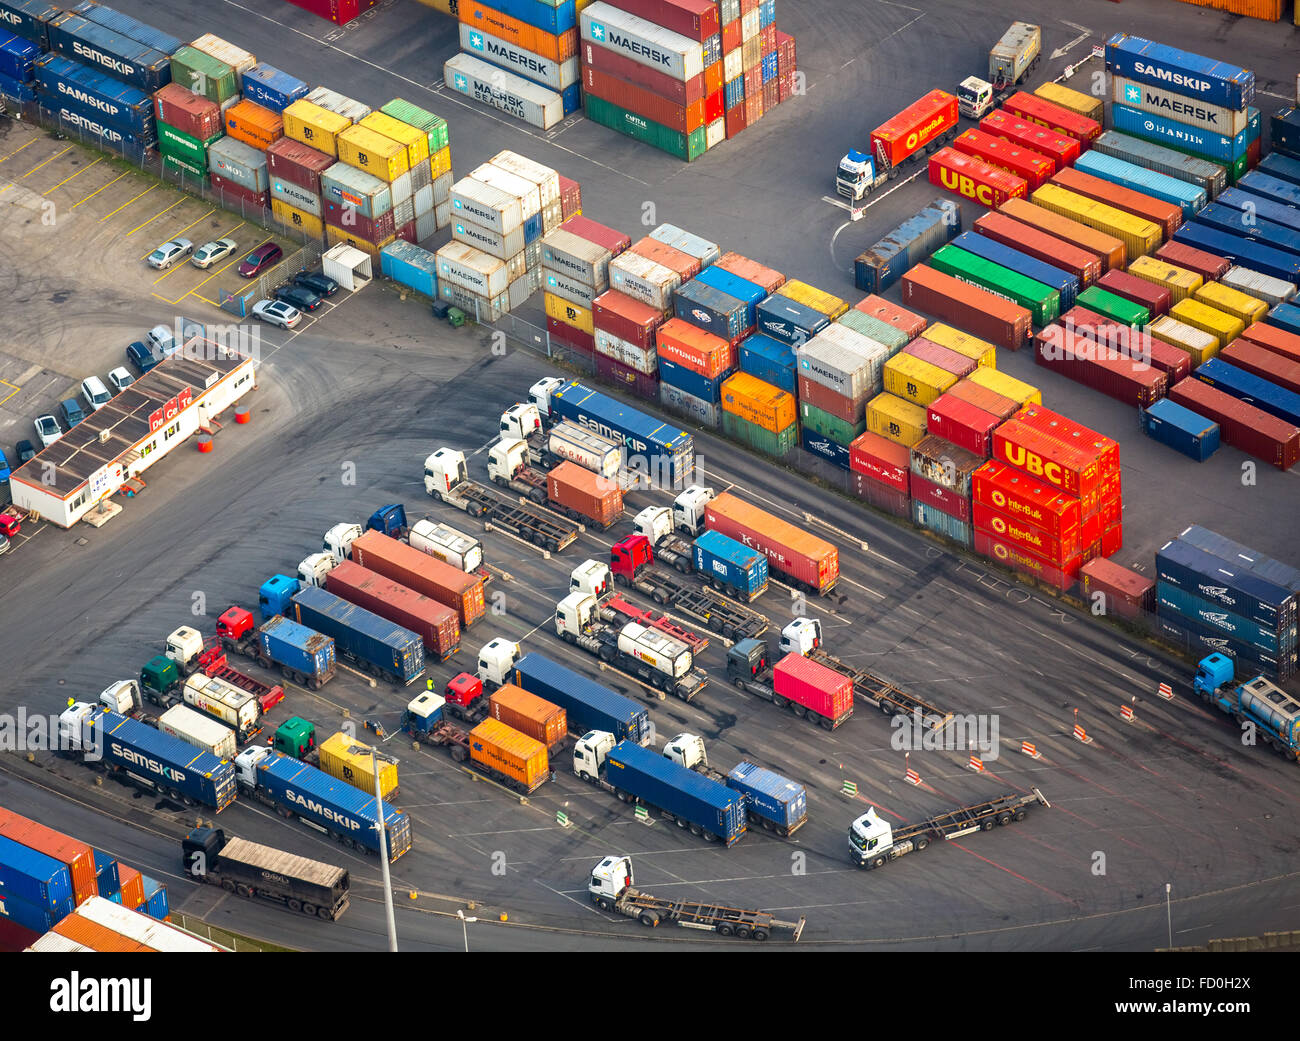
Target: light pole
{"points": [[1169, 915], [383, 853], [464, 926]]}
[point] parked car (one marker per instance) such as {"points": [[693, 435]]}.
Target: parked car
{"points": [[4, 544], [120, 378], [259, 260], [142, 357], [48, 430], [162, 338], [5, 469], [72, 414], [10, 525], [277, 312], [169, 252], [95, 393], [26, 450], [302, 298], [317, 282], [211, 252]]}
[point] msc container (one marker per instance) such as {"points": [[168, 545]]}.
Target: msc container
{"points": [[900, 421], [530, 715], [810, 562], [916, 238], [974, 179], [913, 128], [1011, 273], [351, 761], [913, 379], [124, 59], [1032, 167], [684, 795], [1207, 80], [773, 802], [73, 855], [1240, 383], [1060, 148], [115, 103], [254, 125], [1239, 590], [1201, 173], [1109, 250], [269, 87], [1085, 104], [769, 360], [582, 494], [199, 730], [1272, 291], [1139, 236], [1061, 120], [1186, 196], [436, 624], [427, 575], [989, 316], [362, 636], [1242, 425], [826, 694], [723, 560], [587, 705]]}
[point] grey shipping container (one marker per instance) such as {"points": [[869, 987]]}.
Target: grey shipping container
{"points": [[916, 238], [238, 162], [1212, 177]]}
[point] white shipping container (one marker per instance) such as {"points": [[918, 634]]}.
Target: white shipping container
{"points": [[472, 269], [582, 260], [516, 266], [56, 943], [701, 249], [221, 700], [644, 42], [156, 935], [537, 106], [590, 450], [402, 186], [198, 730], [533, 253], [1180, 108], [539, 69], [530, 198], [519, 291], [422, 201], [644, 280], [348, 186], [484, 309], [851, 365], [485, 205], [238, 162], [749, 25], [715, 133], [546, 179], [426, 225], [643, 359], [442, 188], [733, 65], [421, 175], [337, 103], [442, 214], [701, 412], [223, 50], [566, 286], [552, 217], [404, 213], [301, 198], [447, 544], [535, 278], [1272, 291], [500, 246]]}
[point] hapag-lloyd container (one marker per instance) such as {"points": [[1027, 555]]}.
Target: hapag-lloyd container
{"points": [[881, 460], [1061, 148], [472, 269], [912, 128], [1033, 167], [962, 423], [642, 41], [1240, 424], [524, 100], [1184, 73], [989, 316], [256, 126], [973, 178], [758, 403]]}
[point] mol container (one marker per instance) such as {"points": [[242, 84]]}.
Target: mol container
{"points": [[199, 730], [587, 704], [973, 178], [536, 717], [913, 128], [809, 562], [987, 315], [436, 625], [916, 238], [422, 572], [1106, 248], [721, 559], [350, 761], [822, 691], [774, 802], [360, 635], [686, 796]]}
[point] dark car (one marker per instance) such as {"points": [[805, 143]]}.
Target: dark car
{"points": [[317, 282], [301, 297], [139, 355], [259, 260], [26, 450]]}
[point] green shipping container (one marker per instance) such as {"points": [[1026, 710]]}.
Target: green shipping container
{"points": [[838, 430], [412, 115], [1114, 307], [204, 74], [775, 445], [882, 332], [177, 166], [683, 146], [1042, 301], [185, 146]]}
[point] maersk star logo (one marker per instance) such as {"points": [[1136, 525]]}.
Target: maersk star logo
{"points": [[476, 41], [1132, 94], [462, 84], [598, 32], [550, 280]]}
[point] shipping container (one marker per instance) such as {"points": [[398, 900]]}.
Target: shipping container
{"points": [[896, 419], [720, 559], [1246, 252], [587, 705], [990, 401], [783, 319], [1246, 309], [199, 730], [1012, 556], [269, 87], [974, 178], [1179, 106], [1065, 283], [1271, 291], [944, 465], [292, 162], [1280, 342], [712, 310], [750, 293], [364, 636], [644, 280], [627, 318], [690, 798], [1057, 119], [1014, 495], [877, 329], [932, 518], [962, 423], [1139, 236], [190, 113], [581, 494], [757, 402], [1203, 144], [1285, 317], [882, 460], [751, 271], [563, 251], [843, 361], [1180, 283], [1109, 250], [771, 361], [810, 562], [1160, 65], [127, 60], [115, 103], [1285, 167], [1110, 305], [700, 352], [1262, 393], [916, 238], [1063, 466], [411, 266], [1084, 104], [1209, 266], [524, 100], [698, 410], [612, 115], [28, 877], [505, 751], [822, 423], [1060, 148], [820, 301], [1241, 425], [203, 73], [989, 316], [1222, 326], [1199, 345], [406, 565], [913, 128], [1186, 196], [684, 92], [775, 444], [254, 125], [772, 801], [915, 380], [30, 20], [1165, 215], [1243, 592], [350, 761], [1171, 599], [1032, 167], [1146, 293], [1202, 173], [1250, 223], [76, 857], [1127, 379], [535, 717], [819, 689]]}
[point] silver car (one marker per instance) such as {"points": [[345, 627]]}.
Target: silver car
{"points": [[169, 252], [210, 252], [48, 430], [277, 312]]}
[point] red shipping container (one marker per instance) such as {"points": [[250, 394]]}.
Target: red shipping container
{"points": [[785, 46], [1168, 216], [232, 193], [620, 315], [292, 161], [581, 494], [1156, 299], [682, 118], [913, 128], [1061, 120], [1083, 360], [340, 12], [680, 92], [372, 229], [1041, 246], [748, 7], [754, 107], [695, 19], [771, 95], [580, 341], [435, 624], [785, 87], [188, 112], [627, 378], [1207, 265], [1130, 342], [76, 856], [820, 690], [423, 573], [1270, 337], [1008, 554], [751, 271], [1062, 148], [586, 228], [14, 938], [1033, 166], [570, 197], [990, 401], [1263, 363], [713, 78], [962, 423], [732, 36], [1108, 249], [1012, 493], [944, 499], [891, 314], [1070, 432], [974, 179], [1113, 540], [1241, 425], [130, 884], [1044, 457], [767, 36], [812, 562], [850, 410], [968, 307], [694, 349], [1127, 594], [713, 106], [407, 233], [881, 460], [735, 120], [686, 266], [941, 357], [1037, 541], [880, 495]]}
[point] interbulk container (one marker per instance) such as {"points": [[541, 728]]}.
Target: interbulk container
{"points": [[1009, 555], [1054, 117], [1242, 425], [990, 316], [350, 761], [1282, 343], [812, 562], [898, 420], [1061, 148], [473, 270], [1032, 167], [1065, 283], [964, 424], [1207, 80], [917, 125], [974, 178], [931, 518], [1012, 493], [1202, 173], [751, 271], [1181, 429], [691, 347], [1272, 291], [911, 242], [524, 100], [1179, 282], [113, 102], [1085, 104], [1223, 298], [1139, 236], [1265, 395], [1110, 251], [1064, 554], [1187, 197]]}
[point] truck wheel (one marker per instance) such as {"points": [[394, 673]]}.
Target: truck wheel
{"points": [[799, 710], [878, 862], [725, 929], [584, 776], [244, 891], [228, 884], [649, 919], [813, 717], [552, 546], [475, 509], [1004, 819], [1020, 814], [829, 724], [728, 632], [710, 837], [567, 636], [621, 580], [659, 598], [325, 913], [743, 931], [696, 830], [920, 844], [987, 824], [681, 824], [760, 934], [309, 910], [681, 567], [295, 905], [779, 701]]}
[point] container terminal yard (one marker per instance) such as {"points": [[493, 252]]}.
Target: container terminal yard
{"points": [[658, 458]]}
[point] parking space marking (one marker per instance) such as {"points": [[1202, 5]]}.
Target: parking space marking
{"points": [[155, 217], [77, 174], [99, 189], [128, 202], [233, 260], [48, 161], [11, 393], [178, 267], [6, 158]]}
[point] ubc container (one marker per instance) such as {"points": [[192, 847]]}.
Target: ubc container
{"points": [[686, 795], [587, 704], [1181, 429], [773, 801], [1032, 167], [1063, 282], [361, 635], [974, 178], [722, 559]]}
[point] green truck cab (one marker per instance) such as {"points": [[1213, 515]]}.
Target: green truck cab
{"points": [[295, 737], [160, 680]]}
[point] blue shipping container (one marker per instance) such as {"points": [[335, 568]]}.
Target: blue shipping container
{"points": [[666, 449], [167, 761], [942, 523], [1246, 386], [1286, 317], [1250, 225], [106, 872], [771, 361], [1204, 143], [1203, 639], [276, 595], [29, 19], [32, 916], [1214, 82], [116, 104], [1204, 575], [766, 13], [783, 319], [122, 58], [1284, 167], [911, 242], [127, 26], [733, 285], [824, 447], [687, 795], [711, 309], [1171, 598], [1262, 206], [410, 265], [1053, 277], [551, 17], [731, 562], [271, 88], [331, 804], [697, 386], [588, 705], [361, 635], [733, 92], [91, 124], [1284, 131], [770, 798], [1240, 250], [1272, 188], [304, 650], [1242, 557], [155, 898], [1187, 196], [27, 874], [769, 67], [16, 89], [1181, 429], [17, 56], [712, 49]]}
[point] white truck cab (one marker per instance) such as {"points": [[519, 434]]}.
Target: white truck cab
{"points": [[687, 750], [496, 659], [184, 645], [246, 765], [974, 97], [801, 636], [592, 577], [688, 509], [610, 877], [573, 613], [314, 568], [869, 835], [655, 523], [589, 753], [71, 726], [522, 420], [122, 697], [338, 541], [540, 393], [444, 470], [506, 457]]}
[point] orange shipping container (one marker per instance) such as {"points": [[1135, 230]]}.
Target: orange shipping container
{"points": [[583, 495], [76, 856], [524, 36], [428, 576], [759, 403], [751, 271], [891, 314], [531, 715], [1279, 341], [508, 753], [254, 125], [690, 346], [98, 937], [1108, 249], [812, 563], [1165, 214], [685, 265], [131, 885]]}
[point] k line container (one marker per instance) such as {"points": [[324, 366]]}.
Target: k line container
{"points": [[1240, 424], [989, 316], [810, 561], [1110, 251]]}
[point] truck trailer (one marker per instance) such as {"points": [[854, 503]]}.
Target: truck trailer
{"points": [[303, 655], [920, 129], [808, 689], [772, 802], [1274, 713], [374, 645], [425, 574], [437, 625], [565, 440], [587, 704], [805, 561], [237, 709]]}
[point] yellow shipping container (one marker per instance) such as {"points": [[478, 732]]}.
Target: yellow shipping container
{"points": [[569, 313], [915, 379], [1008, 386], [1139, 236], [1180, 282], [1084, 104], [416, 141], [895, 419], [335, 235], [1219, 324], [1202, 346], [1232, 301], [967, 346], [440, 162], [760, 403], [349, 760], [315, 126], [821, 302], [372, 152], [297, 218]]}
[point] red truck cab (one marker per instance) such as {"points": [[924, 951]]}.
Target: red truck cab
{"points": [[235, 624], [627, 558], [463, 696]]}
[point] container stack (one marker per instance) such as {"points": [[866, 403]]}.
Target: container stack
{"points": [[17, 67], [1213, 594], [575, 267], [340, 12]]}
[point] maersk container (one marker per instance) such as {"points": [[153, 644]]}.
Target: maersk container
{"points": [[782, 319], [685, 795], [1187, 196], [410, 265], [515, 96], [271, 88], [127, 26], [771, 361], [554, 75], [1238, 249], [1202, 173], [1284, 316], [1245, 386], [911, 242], [361, 636], [302, 650], [29, 19], [751, 293], [1184, 73], [773, 802], [722, 559], [1021, 263], [1181, 429], [1242, 592], [711, 309], [1232, 625], [644, 42], [122, 58], [1242, 557], [30, 876], [332, 805], [1204, 143], [587, 704], [116, 104]]}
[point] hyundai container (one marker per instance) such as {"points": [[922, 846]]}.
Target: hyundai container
{"points": [[986, 314], [427, 575], [362, 636], [773, 802], [1241, 425], [1109, 250], [811, 563], [911, 242], [587, 704]]}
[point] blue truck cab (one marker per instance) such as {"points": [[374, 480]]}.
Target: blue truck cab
{"points": [[276, 595], [390, 519]]}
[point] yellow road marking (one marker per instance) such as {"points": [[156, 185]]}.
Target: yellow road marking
{"points": [[77, 174], [125, 204], [204, 299], [233, 260], [19, 149], [154, 218], [48, 161], [173, 303], [99, 189], [11, 393]]}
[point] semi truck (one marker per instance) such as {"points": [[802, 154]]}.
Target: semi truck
{"points": [[1011, 60], [1274, 713], [274, 596], [375, 646], [649, 655], [438, 626], [446, 478], [145, 758], [772, 802], [445, 543], [565, 441], [721, 562], [810, 690], [426, 574], [587, 704], [873, 842], [496, 662], [920, 129], [303, 655], [804, 561], [237, 709], [338, 540], [294, 788], [612, 888], [567, 488], [251, 870], [595, 578], [638, 775]]}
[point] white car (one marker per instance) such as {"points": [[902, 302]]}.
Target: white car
{"points": [[277, 312], [47, 429], [120, 378], [95, 393], [210, 252], [169, 252]]}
